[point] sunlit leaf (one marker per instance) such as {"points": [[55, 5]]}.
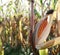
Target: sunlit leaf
{"points": [[1, 8], [37, 13]]}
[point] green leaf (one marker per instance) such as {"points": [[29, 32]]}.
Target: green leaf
{"points": [[9, 4], [41, 1], [37, 13], [55, 1], [14, 9], [0, 8], [43, 52]]}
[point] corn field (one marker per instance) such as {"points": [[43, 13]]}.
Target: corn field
{"points": [[16, 26]]}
